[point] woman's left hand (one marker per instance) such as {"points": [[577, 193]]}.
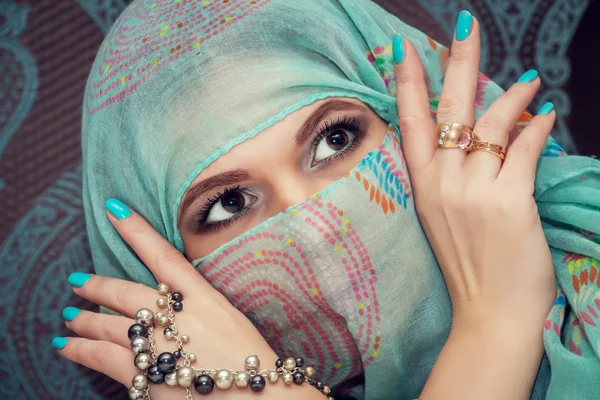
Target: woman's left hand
{"points": [[220, 335]]}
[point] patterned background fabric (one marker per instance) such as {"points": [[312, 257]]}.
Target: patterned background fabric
{"points": [[46, 50]]}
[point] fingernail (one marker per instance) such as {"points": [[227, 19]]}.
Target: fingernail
{"points": [[59, 342], [546, 109], [398, 48], [79, 278], [528, 76], [70, 313], [463, 25], [118, 209]]}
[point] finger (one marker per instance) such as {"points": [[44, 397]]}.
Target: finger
{"points": [[523, 154], [96, 326], [414, 115], [105, 357], [460, 83], [496, 123], [164, 261], [116, 294]]}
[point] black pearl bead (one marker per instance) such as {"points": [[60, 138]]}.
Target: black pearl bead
{"points": [[177, 306], [299, 362], [137, 330], [298, 378], [319, 385], [177, 297], [204, 384], [154, 375], [257, 383], [177, 354], [279, 363], [166, 362]]}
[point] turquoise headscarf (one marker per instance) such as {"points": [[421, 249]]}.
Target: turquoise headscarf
{"points": [[346, 278]]}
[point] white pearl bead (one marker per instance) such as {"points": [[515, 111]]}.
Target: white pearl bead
{"points": [[143, 361], [223, 379], [169, 334], [135, 394], [140, 382], [326, 390], [163, 288], [309, 371], [163, 320], [192, 357], [289, 364], [140, 344], [252, 363], [171, 379], [185, 377], [185, 338], [288, 378], [145, 317], [242, 379], [161, 302], [273, 376]]}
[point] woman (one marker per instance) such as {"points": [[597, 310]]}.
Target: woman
{"points": [[218, 120]]}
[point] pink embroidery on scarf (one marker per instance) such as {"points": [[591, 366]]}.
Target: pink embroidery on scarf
{"points": [[158, 32], [294, 287]]}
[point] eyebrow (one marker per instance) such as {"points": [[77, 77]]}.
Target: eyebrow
{"points": [[202, 187], [234, 176]]}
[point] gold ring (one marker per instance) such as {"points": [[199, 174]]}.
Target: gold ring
{"points": [[490, 148], [450, 135], [453, 135]]}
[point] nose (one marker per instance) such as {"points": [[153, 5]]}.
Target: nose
{"points": [[293, 188]]}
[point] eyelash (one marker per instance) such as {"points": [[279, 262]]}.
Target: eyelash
{"points": [[350, 124]]}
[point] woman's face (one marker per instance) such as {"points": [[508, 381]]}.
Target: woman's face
{"points": [[283, 165]]}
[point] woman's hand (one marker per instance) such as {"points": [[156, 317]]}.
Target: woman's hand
{"points": [[481, 220], [220, 336]]}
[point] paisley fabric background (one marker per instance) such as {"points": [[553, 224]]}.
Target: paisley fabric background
{"points": [[46, 50]]}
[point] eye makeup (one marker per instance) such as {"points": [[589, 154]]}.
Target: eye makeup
{"points": [[346, 125]]}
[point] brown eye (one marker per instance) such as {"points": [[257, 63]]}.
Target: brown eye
{"points": [[332, 143], [338, 140], [229, 204], [233, 202]]}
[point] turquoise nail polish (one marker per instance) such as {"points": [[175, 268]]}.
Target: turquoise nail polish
{"points": [[70, 313], [528, 76], [398, 48], [59, 342], [463, 25], [117, 208], [79, 278], [546, 108]]}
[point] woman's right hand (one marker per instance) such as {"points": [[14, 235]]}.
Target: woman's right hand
{"points": [[481, 220], [221, 336]]}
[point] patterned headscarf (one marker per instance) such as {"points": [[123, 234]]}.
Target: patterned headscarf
{"points": [[346, 278]]}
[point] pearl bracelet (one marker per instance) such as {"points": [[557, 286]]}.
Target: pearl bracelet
{"points": [[163, 368]]}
